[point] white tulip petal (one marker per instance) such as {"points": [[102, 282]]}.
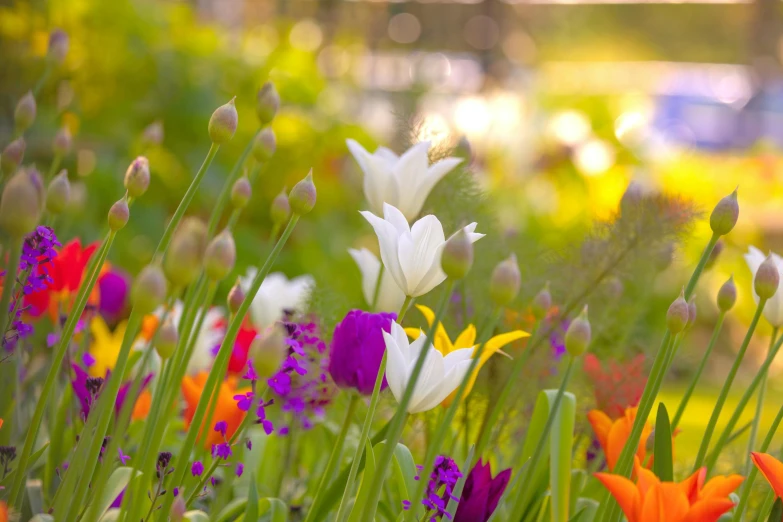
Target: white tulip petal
{"points": [[412, 167], [396, 367], [427, 182], [369, 266], [387, 240], [457, 356], [386, 154], [450, 382], [401, 339], [419, 251], [393, 215], [432, 373]]}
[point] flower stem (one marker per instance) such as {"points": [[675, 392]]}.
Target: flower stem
{"points": [[8, 287], [14, 498], [724, 391], [377, 290], [395, 431], [696, 376], [754, 428], [337, 450]]}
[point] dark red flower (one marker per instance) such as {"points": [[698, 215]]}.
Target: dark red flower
{"points": [[481, 493]]}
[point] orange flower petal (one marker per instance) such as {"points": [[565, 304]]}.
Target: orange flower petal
{"points": [[615, 440], [708, 510], [601, 424], [771, 468], [721, 486], [692, 485], [624, 492]]}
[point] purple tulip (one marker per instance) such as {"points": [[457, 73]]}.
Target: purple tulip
{"points": [[113, 287], [481, 493], [357, 350]]}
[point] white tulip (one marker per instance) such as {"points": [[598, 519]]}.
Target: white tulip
{"points": [[773, 310], [412, 254], [438, 378], [402, 181], [276, 296], [390, 297]]}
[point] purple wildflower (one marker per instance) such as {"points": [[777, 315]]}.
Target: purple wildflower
{"points": [[123, 457], [244, 401], [443, 478], [197, 468], [176, 491], [222, 450], [250, 373], [240, 469], [221, 427], [481, 493]]}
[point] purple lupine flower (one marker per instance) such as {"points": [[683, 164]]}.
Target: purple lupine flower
{"points": [[440, 488], [265, 423], [240, 469], [222, 450], [357, 350], [176, 491], [481, 493], [244, 400], [250, 373], [197, 468], [221, 427], [123, 457]]}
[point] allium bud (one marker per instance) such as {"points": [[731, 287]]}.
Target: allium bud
{"points": [[58, 46], [21, 203], [185, 254], [716, 251], [149, 289], [61, 145], [58, 193], [302, 196], [137, 177], [677, 315], [268, 351], [457, 256], [727, 295], [464, 150], [767, 279], [220, 256], [119, 214], [692, 312], [153, 133], [24, 115], [267, 103], [577, 337], [13, 154], [241, 192], [664, 256], [724, 215], [166, 340], [223, 123], [264, 145], [505, 281], [281, 209], [236, 296], [178, 510], [542, 303]]}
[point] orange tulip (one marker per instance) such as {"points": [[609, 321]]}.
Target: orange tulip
{"points": [[3, 511], [612, 434], [650, 500], [142, 407], [225, 410], [771, 468]]}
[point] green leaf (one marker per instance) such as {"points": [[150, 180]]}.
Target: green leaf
{"points": [[117, 482], [41, 517], [585, 510], [277, 509], [578, 480], [111, 515], [777, 511], [196, 516], [364, 488], [30, 465], [232, 510], [251, 510], [662, 453], [561, 442]]}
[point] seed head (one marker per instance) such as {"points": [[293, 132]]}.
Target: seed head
{"points": [[137, 177], [678, 314], [727, 295], [269, 350], [149, 289], [58, 193], [577, 337], [58, 46], [119, 213], [724, 215], [236, 296], [61, 145], [302, 196], [767, 278], [153, 133], [24, 115], [220, 256], [505, 281], [12, 156], [167, 338], [280, 210], [185, 254], [241, 192], [542, 303], [457, 256], [22, 202], [267, 103], [264, 145], [223, 123]]}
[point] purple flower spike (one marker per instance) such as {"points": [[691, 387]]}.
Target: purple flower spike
{"points": [[357, 349], [221, 427], [443, 479], [222, 451], [244, 401], [481, 493], [240, 469], [197, 468]]}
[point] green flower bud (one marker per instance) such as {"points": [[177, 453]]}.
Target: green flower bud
{"points": [[241, 193], [727, 295], [58, 193], [302, 196], [149, 289], [185, 254], [119, 214], [505, 281], [767, 279], [267, 103], [61, 145], [264, 145], [13, 154], [464, 150], [220, 256], [137, 177], [21, 203], [281, 209], [153, 133], [24, 115], [542, 303], [58, 46], [677, 315], [268, 351], [724, 215], [716, 251], [236, 296], [577, 337], [223, 123], [166, 340], [692, 312], [457, 256]]}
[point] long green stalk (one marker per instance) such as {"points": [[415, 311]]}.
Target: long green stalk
{"points": [[395, 431], [724, 391], [9, 284], [14, 497], [697, 375], [225, 193], [754, 428]]}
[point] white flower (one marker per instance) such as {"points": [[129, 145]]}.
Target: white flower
{"points": [[402, 181], [773, 310], [390, 297], [438, 378], [276, 295], [412, 254]]}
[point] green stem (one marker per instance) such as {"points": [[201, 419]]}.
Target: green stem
{"points": [[53, 167], [334, 457], [14, 498], [751, 389], [9, 284], [696, 376], [395, 431], [377, 290], [754, 428], [163, 245], [724, 392]]}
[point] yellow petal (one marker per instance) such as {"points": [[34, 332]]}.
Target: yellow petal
{"points": [[100, 330], [427, 312], [498, 342], [413, 333], [467, 338], [441, 339]]}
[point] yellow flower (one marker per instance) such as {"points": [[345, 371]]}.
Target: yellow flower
{"points": [[105, 345], [466, 339]]}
